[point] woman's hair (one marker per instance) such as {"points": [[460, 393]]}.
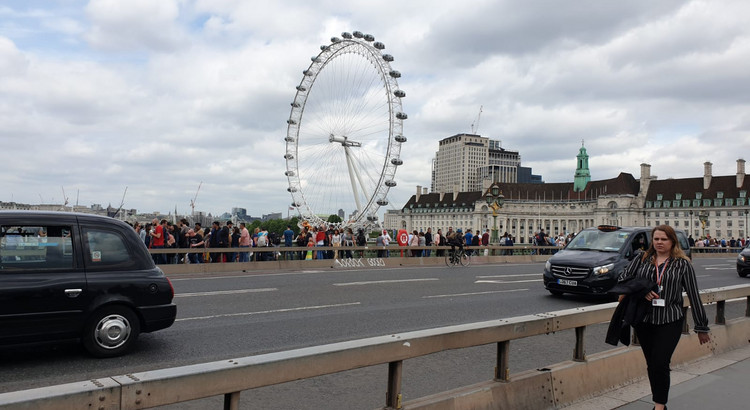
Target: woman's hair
{"points": [[675, 252]]}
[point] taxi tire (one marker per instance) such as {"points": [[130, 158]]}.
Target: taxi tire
{"points": [[125, 327]]}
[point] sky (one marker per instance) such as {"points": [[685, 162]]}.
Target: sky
{"points": [[161, 96]]}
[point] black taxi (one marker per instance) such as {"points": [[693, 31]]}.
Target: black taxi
{"points": [[78, 276]]}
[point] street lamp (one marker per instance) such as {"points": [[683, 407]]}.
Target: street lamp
{"points": [[495, 199], [703, 217], [690, 231]]}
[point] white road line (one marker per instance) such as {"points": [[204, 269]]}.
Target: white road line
{"points": [[509, 276], [263, 312], [473, 293], [508, 281], [377, 282], [224, 292]]}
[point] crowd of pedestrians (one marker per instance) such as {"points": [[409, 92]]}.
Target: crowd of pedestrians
{"points": [[228, 243], [214, 244]]}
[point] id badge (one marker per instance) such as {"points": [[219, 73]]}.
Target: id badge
{"points": [[658, 302]]}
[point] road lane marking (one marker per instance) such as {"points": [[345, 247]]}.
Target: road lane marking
{"points": [[509, 276], [377, 282], [224, 292], [508, 281], [263, 312], [473, 293]]}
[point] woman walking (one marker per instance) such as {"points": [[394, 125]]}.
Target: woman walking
{"points": [[666, 265]]}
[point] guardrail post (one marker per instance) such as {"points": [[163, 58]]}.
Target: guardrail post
{"points": [[232, 401], [720, 309], [579, 354], [393, 395], [747, 307], [502, 371]]}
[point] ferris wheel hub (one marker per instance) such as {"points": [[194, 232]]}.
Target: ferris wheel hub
{"points": [[343, 140]]}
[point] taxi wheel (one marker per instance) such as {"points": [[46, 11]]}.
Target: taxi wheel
{"points": [[111, 331]]}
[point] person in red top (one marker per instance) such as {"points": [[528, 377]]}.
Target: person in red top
{"points": [[157, 240]]}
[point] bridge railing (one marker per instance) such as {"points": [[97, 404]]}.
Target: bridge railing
{"points": [[230, 377]]}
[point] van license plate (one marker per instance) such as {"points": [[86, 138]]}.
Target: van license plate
{"points": [[567, 282]]}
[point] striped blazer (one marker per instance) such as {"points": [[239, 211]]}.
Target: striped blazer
{"points": [[678, 277]]}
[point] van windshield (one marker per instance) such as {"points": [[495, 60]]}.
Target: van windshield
{"points": [[597, 240]]}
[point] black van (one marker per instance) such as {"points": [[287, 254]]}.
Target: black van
{"points": [[78, 276], [593, 261]]}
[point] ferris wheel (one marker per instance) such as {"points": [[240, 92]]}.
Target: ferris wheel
{"points": [[344, 133]]}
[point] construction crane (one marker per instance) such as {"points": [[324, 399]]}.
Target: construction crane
{"points": [[475, 124], [65, 199], [192, 201]]}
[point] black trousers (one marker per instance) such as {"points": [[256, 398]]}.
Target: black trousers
{"points": [[658, 343]]}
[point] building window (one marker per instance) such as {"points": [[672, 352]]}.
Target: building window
{"points": [[718, 202], [698, 195], [720, 194], [729, 201], [675, 204], [686, 203], [706, 202], [658, 197], [696, 203]]}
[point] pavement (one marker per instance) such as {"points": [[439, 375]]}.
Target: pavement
{"points": [[721, 381]]}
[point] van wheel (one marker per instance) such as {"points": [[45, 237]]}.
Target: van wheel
{"points": [[742, 273], [555, 292], [111, 331]]}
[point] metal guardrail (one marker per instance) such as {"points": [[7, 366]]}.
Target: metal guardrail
{"points": [[230, 377]]}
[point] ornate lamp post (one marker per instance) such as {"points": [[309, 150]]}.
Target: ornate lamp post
{"points": [[703, 217], [690, 231], [495, 199]]}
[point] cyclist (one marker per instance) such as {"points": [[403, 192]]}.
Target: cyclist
{"points": [[456, 239]]}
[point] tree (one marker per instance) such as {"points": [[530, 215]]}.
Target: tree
{"points": [[334, 219]]}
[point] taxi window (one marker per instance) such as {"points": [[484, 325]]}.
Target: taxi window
{"points": [[106, 249], [26, 248]]}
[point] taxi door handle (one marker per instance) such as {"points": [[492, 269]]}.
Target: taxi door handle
{"points": [[73, 293]]}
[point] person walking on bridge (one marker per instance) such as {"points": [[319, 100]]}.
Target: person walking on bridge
{"points": [[665, 264]]}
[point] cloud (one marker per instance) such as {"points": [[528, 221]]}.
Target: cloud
{"points": [[135, 25], [161, 95]]}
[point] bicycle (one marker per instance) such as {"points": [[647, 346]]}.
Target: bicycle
{"points": [[457, 255]]}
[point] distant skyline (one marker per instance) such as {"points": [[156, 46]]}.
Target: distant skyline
{"points": [[159, 96]]}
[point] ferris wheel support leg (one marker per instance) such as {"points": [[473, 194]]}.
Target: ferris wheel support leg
{"points": [[361, 183], [352, 171]]}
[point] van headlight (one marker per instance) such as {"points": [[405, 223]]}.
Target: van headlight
{"points": [[547, 266], [740, 258], [601, 270]]}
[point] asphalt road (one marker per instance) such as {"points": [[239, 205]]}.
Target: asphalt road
{"points": [[222, 317]]}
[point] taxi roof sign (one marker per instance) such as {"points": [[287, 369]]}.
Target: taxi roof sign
{"points": [[608, 228]]}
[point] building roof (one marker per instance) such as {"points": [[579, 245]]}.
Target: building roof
{"points": [[623, 184], [688, 187]]}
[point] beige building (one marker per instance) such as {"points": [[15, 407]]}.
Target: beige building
{"points": [[465, 161], [558, 208]]}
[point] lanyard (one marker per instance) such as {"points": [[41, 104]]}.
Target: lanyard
{"points": [[659, 275]]}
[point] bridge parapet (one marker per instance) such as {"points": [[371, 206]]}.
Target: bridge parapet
{"points": [[558, 384]]}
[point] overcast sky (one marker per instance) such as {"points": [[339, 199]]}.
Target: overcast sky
{"points": [[157, 96]]}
